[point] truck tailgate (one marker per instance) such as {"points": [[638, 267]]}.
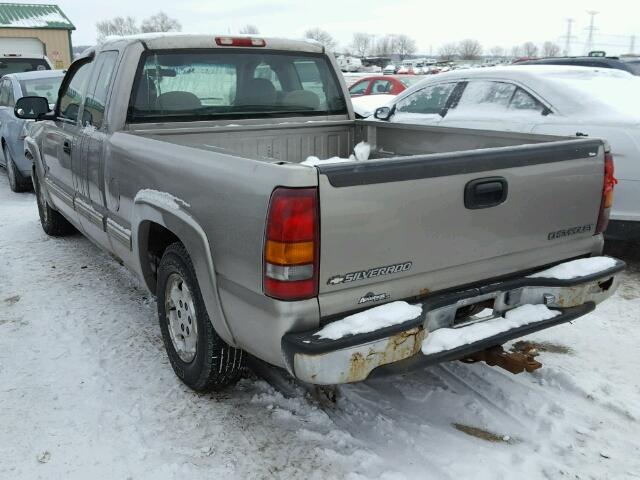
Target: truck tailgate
{"points": [[401, 227]]}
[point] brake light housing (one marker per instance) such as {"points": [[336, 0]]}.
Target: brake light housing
{"points": [[608, 185], [240, 42], [292, 244]]}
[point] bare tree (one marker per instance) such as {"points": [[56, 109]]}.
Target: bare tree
{"points": [[249, 30], [119, 26], [497, 52], [550, 49], [469, 49], [385, 46], [403, 45], [322, 37], [160, 22], [361, 44], [448, 51], [516, 51], [529, 49]]}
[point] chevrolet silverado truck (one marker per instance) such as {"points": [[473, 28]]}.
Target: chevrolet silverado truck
{"points": [[183, 156]]}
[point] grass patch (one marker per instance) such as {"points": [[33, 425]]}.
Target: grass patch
{"points": [[482, 433]]}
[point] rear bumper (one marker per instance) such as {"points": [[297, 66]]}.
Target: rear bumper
{"points": [[354, 358]]}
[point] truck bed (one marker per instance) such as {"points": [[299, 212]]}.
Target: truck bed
{"points": [[406, 205], [291, 142]]}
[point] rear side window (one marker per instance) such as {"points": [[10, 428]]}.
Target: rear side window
{"points": [[98, 89], [177, 85], [71, 98], [429, 100], [486, 94], [524, 101]]}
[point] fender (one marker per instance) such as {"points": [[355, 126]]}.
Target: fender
{"points": [[39, 167], [172, 213]]}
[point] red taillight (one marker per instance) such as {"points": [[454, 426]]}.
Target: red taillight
{"points": [[606, 203], [240, 42], [291, 250]]}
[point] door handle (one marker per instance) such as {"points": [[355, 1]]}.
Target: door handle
{"points": [[66, 147], [485, 192]]}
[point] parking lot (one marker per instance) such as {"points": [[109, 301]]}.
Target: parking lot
{"points": [[87, 392]]}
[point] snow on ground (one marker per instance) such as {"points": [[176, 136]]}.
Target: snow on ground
{"points": [[87, 392]]}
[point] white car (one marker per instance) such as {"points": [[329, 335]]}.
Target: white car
{"points": [[554, 100], [390, 69], [365, 105]]}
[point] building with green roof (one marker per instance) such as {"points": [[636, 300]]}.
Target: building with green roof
{"points": [[45, 22]]}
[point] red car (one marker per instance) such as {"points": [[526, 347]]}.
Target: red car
{"points": [[387, 85]]}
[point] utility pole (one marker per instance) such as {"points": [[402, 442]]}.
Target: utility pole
{"points": [[591, 28], [568, 37]]}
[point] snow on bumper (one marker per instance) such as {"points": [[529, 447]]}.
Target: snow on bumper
{"points": [[353, 358]]}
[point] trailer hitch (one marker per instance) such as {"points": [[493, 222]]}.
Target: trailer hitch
{"points": [[514, 362]]}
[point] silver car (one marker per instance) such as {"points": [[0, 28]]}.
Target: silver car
{"points": [[44, 83]]}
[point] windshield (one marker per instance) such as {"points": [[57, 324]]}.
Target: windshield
{"points": [[18, 65], [42, 87], [213, 84]]}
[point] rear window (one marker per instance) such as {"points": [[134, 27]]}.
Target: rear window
{"points": [[212, 84], [42, 87], [18, 65]]}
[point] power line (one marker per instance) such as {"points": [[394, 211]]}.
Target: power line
{"points": [[591, 28], [568, 37]]}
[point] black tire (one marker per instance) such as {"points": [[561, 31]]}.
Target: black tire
{"points": [[215, 365], [17, 182], [52, 221]]}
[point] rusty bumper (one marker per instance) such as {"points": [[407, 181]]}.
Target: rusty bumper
{"points": [[354, 358]]}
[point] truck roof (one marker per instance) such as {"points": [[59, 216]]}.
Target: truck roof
{"points": [[160, 41]]}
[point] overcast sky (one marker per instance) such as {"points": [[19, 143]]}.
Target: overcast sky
{"points": [[431, 23]]}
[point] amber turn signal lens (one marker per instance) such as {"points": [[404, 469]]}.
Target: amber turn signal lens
{"points": [[294, 253]]}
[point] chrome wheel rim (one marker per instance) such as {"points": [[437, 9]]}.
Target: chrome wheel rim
{"points": [[181, 318]]}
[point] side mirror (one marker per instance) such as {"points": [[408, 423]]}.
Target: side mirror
{"points": [[383, 113], [31, 108]]}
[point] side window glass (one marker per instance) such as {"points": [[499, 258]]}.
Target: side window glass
{"points": [[96, 99], [359, 88], [72, 96], [486, 94], [523, 101], [381, 87], [430, 100]]}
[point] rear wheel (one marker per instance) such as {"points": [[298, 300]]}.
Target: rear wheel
{"points": [[52, 221], [199, 357], [17, 182]]}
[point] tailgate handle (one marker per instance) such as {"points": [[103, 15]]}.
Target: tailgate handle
{"points": [[485, 192]]}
